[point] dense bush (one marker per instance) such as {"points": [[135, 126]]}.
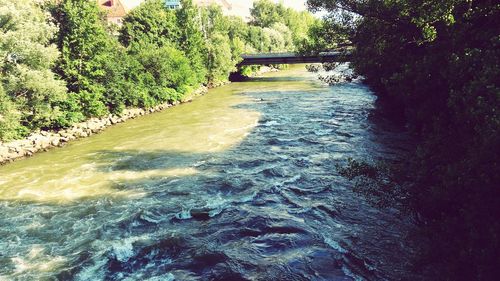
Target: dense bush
{"points": [[9, 117], [191, 40], [86, 49], [168, 72], [439, 61], [220, 61], [150, 23]]}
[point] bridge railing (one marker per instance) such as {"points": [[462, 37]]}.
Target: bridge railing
{"points": [[291, 58], [288, 54]]}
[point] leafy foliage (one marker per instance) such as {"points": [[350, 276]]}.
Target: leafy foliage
{"points": [[167, 72], [86, 49], [151, 23], [191, 38], [267, 14], [31, 91], [9, 117], [439, 61], [220, 62], [221, 52]]}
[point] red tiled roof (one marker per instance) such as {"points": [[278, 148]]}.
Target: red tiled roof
{"points": [[113, 8]]}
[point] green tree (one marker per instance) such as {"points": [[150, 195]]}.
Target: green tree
{"points": [[438, 61], [237, 28], [191, 40], [299, 24], [166, 53], [10, 117], [324, 35], [265, 13], [220, 62], [255, 38], [31, 90], [162, 74], [284, 36], [221, 52], [86, 50], [152, 23], [213, 21]]}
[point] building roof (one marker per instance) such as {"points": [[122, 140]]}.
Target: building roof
{"points": [[113, 8]]}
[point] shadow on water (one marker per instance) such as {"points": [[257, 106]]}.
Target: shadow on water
{"points": [[237, 77], [276, 79], [272, 208], [139, 160]]}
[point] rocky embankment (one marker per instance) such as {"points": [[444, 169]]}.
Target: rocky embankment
{"points": [[44, 140]]}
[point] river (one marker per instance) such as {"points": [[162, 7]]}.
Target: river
{"points": [[238, 185]]}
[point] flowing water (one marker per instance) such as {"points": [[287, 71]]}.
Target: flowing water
{"points": [[238, 185]]}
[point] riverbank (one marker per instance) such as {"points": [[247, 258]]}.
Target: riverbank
{"points": [[44, 140], [40, 141]]}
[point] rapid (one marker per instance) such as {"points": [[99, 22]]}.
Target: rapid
{"points": [[239, 184]]}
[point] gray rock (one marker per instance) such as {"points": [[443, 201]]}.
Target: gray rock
{"points": [[55, 141]]}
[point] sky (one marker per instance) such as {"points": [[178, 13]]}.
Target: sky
{"points": [[296, 4], [240, 7]]}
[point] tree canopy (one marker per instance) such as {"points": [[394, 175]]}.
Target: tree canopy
{"points": [[31, 92], [439, 63], [63, 62]]}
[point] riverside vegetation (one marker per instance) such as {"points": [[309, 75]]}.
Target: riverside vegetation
{"points": [[62, 64], [438, 64]]}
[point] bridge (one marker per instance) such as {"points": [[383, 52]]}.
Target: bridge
{"points": [[290, 58]]}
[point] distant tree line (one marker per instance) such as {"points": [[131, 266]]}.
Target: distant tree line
{"points": [[62, 63], [439, 63]]}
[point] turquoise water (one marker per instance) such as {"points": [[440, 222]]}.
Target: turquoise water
{"points": [[238, 185]]}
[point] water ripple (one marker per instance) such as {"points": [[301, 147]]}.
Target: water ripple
{"points": [[271, 206]]}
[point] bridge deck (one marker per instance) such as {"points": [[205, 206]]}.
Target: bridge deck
{"points": [[288, 58]]}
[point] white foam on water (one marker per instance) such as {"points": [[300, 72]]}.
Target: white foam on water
{"points": [[217, 205], [94, 272], [292, 179], [334, 244], [215, 212], [271, 123], [147, 216], [288, 181], [166, 277], [37, 261], [123, 249], [369, 266], [351, 274], [322, 132], [248, 198], [184, 214], [35, 251], [29, 193]]}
